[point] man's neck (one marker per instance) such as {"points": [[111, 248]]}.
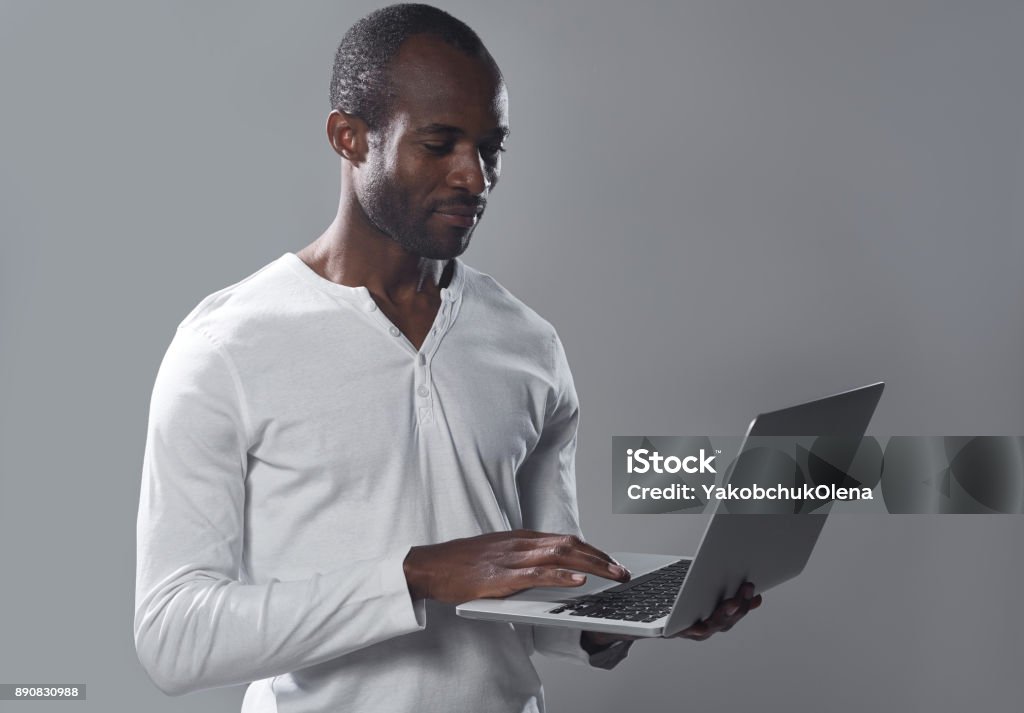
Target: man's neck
{"points": [[389, 272]]}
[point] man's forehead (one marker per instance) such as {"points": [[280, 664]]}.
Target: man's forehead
{"points": [[437, 83]]}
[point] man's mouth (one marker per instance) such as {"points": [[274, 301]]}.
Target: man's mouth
{"points": [[464, 217]]}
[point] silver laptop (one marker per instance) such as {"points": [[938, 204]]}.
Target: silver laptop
{"points": [[670, 593]]}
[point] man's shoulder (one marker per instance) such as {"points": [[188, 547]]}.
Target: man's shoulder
{"points": [[233, 308], [507, 310]]}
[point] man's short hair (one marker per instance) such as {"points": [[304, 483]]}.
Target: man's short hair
{"points": [[360, 84]]}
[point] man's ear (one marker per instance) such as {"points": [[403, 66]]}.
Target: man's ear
{"points": [[348, 136]]}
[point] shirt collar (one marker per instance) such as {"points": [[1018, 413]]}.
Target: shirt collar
{"points": [[450, 293]]}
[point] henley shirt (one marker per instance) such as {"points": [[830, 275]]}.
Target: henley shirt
{"points": [[298, 445]]}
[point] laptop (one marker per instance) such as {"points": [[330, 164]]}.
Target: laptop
{"points": [[670, 593]]}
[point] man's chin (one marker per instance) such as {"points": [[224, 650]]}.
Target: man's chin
{"points": [[448, 247], [435, 244]]}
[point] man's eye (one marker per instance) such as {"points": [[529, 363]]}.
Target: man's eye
{"points": [[492, 151], [438, 148]]}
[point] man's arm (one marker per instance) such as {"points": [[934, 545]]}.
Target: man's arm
{"points": [[196, 625], [547, 489], [547, 493]]}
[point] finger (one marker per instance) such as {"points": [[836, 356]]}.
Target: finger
{"points": [[733, 618], [528, 539], [746, 591], [564, 553], [516, 579], [728, 613], [698, 632], [693, 630], [725, 616], [579, 544], [732, 608], [559, 558], [745, 606], [725, 612]]}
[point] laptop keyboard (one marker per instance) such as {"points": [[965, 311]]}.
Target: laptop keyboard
{"points": [[646, 598]]}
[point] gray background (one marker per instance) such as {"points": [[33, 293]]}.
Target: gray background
{"points": [[723, 207]]}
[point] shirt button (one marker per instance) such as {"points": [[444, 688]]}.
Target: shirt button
{"points": [[370, 306], [395, 332], [423, 391]]}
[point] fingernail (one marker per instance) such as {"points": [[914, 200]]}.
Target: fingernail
{"points": [[618, 570], [731, 610], [579, 578]]}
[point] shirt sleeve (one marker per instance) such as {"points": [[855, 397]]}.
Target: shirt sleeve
{"points": [[547, 492], [196, 625]]}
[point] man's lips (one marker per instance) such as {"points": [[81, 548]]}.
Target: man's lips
{"points": [[460, 216]]}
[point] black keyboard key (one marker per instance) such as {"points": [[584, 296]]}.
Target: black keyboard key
{"points": [[650, 595]]}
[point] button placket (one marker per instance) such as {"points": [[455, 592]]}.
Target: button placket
{"points": [[445, 314], [365, 302], [425, 388], [424, 392]]}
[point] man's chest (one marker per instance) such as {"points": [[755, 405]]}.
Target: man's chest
{"points": [[352, 450], [353, 411]]}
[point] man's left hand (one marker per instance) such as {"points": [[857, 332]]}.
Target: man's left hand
{"points": [[723, 618]]}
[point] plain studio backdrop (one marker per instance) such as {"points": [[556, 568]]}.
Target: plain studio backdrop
{"points": [[723, 207]]}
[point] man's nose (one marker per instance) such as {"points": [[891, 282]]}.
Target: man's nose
{"points": [[468, 173]]}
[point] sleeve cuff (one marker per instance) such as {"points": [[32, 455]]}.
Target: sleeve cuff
{"points": [[407, 615], [610, 655], [566, 644]]}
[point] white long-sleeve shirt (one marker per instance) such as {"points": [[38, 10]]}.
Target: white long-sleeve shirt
{"points": [[298, 445]]}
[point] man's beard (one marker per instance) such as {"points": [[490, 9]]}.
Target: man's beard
{"points": [[390, 210]]}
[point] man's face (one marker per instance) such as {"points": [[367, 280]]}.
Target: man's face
{"points": [[429, 171]]}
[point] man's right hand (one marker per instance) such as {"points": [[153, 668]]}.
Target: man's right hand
{"points": [[502, 563]]}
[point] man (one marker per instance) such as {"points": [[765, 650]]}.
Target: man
{"points": [[357, 436]]}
